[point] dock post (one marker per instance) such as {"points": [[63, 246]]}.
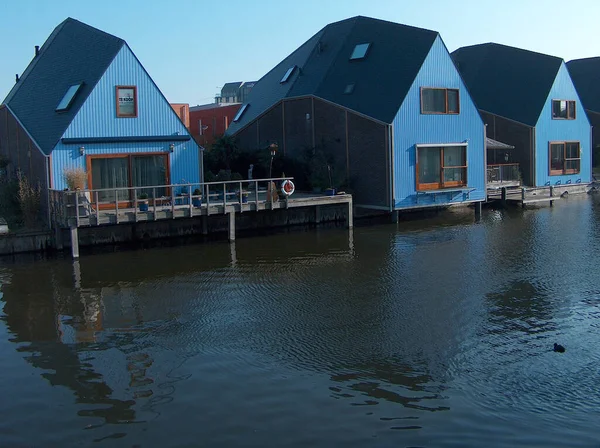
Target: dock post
{"points": [[232, 225], [478, 209], [395, 216], [350, 221], [317, 214], [74, 242], [58, 241], [523, 197], [551, 195], [503, 199], [205, 225]]}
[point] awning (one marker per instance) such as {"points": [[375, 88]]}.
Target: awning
{"points": [[495, 144]]}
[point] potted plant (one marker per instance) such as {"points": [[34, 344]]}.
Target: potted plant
{"points": [[143, 202], [197, 199]]}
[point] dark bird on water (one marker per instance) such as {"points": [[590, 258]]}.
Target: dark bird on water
{"points": [[558, 348]]}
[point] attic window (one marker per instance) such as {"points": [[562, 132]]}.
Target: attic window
{"points": [[67, 100], [360, 51], [349, 89], [240, 112], [288, 74]]}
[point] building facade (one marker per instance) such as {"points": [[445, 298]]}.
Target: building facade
{"points": [[105, 116], [584, 73], [210, 121], [529, 101], [385, 103], [234, 92]]}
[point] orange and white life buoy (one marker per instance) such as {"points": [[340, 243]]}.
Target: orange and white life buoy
{"points": [[287, 187]]}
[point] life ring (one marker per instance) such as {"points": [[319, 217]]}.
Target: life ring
{"points": [[287, 187]]}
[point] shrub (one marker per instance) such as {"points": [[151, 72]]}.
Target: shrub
{"points": [[29, 200], [143, 196], [75, 178]]}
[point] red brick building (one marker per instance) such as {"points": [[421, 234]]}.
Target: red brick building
{"points": [[183, 110], [210, 121]]}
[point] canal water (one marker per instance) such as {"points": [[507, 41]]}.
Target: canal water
{"points": [[434, 332]]}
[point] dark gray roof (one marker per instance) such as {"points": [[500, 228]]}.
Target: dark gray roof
{"points": [[495, 144], [508, 81], [586, 77], [381, 80], [74, 53]]}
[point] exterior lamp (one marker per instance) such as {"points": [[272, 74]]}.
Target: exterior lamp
{"points": [[172, 147], [273, 148], [81, 150]]}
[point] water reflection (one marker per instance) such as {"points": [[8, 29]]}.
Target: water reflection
{"points": [[440, 330]]}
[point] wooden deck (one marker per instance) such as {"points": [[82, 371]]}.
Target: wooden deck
{"points": [[84, 209], [534, 195], [93, 217]]}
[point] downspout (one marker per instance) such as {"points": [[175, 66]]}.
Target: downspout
{"points": [[392, 177], [48, 186], [485, 160]]}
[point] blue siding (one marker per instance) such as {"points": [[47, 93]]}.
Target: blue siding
{"points": [[549, 130], [411, 128], [97, 118]]}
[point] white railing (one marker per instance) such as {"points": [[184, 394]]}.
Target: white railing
{"points": [[69, 205]]}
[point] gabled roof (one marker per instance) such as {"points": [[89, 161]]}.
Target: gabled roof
{"points": [[586, 77], [74, 53], [324, 69], [508, 81]]}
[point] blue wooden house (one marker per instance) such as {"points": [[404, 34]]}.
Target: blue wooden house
{"points": [[584, 73], [86, 101], [528, 100], [387, 106]]}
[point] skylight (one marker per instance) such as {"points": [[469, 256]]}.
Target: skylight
{"points": [[349, 89], [360, 51], [66, 101], [240, 112], [287, 74]]}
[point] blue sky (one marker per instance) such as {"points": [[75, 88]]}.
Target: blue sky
{"points": [[192, 47]]}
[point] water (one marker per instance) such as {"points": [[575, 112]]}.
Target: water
{"points": [[434, 332]]}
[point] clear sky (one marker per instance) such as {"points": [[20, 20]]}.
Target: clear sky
{"points": [[192, 47]]}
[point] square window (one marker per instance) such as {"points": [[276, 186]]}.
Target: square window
{"points": [[563, 109], [126, 101], [360, 51]]}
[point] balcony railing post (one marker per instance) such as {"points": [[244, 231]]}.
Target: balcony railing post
{"points": [[256, 195], [117, 205], [190, 200], [154, 201], [77, 207], [97, 208]]}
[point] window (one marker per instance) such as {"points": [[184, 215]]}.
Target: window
{"points": [[287, 74], [127, 101], [563, 110], [439, 101], [565, 158], [67, 100], [441, 167], [360, 51], [240, 112], [349, 89]]}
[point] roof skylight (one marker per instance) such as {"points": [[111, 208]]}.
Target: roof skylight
{"points": [[66, 101], [241, 112], [349, 89], [287, 74], [360, 51]]}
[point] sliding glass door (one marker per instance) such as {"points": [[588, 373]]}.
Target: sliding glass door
{"points": [[111, 173], [121, 171]]}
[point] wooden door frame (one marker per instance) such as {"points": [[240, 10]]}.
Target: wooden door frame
{"points": [[129, 157]]}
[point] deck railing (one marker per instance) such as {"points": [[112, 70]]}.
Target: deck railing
{"points": [[505, 172], [66, 206]]}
